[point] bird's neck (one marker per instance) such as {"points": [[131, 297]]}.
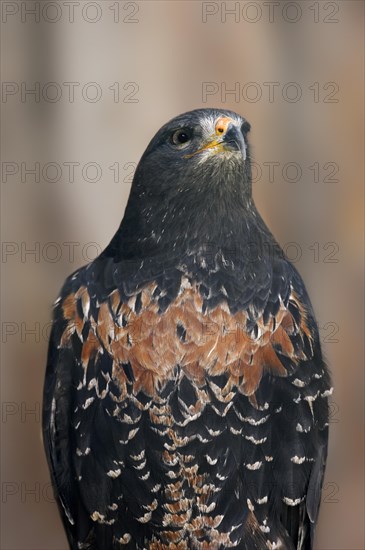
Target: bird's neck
{"points": [[228, 227], [214, 211]]}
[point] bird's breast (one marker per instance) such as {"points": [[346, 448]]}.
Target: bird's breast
{"points": [[147, 346]]}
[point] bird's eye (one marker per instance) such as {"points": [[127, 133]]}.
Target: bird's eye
{"points": [[181, 138]]}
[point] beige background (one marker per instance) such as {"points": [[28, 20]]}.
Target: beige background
{"points": [[169, 53]]}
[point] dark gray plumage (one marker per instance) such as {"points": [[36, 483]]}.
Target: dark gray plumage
{"points": [[186, 398]]}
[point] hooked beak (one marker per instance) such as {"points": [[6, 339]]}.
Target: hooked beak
{"points": [[233, 140], [227, 137]]}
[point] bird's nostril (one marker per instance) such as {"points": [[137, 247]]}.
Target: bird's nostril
{"points": [[222, 125]]}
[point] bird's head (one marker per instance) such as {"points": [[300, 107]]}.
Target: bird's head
{"points": [[205, 150], [204, 135], [196, 168]]}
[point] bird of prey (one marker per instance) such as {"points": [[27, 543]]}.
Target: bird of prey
{"points": [[186, 397]]}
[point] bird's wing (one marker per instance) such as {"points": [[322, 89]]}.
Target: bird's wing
{"points": [[58, 411], [300, 431]]}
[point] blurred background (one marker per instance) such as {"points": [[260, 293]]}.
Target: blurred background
{"points": [[85, 86]]}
